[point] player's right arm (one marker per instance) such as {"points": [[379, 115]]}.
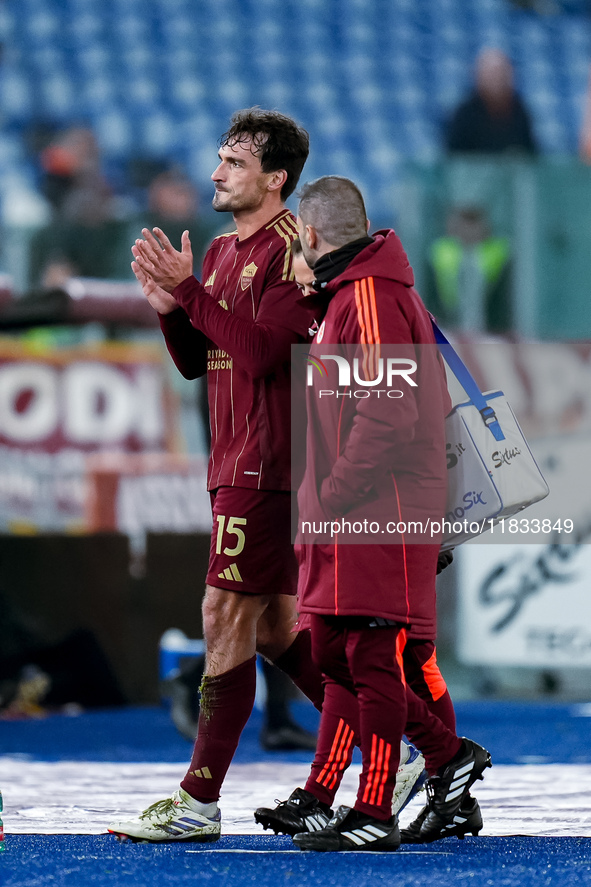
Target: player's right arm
{"points": [[186, 345]]}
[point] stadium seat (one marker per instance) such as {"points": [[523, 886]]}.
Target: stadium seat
{"points": [[352, 72]]}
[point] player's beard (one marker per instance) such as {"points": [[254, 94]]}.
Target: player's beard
{"points": [[226, 202], [222, 207]]}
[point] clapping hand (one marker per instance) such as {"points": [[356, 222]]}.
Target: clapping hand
{"points": [[156, 257], [158, 298]]}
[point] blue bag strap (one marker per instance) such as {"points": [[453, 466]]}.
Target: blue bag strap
{"points": [[468, 382]]}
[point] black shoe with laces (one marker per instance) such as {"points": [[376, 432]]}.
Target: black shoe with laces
{"points": [[352, 830], [302, 812], [412, 833], [468, 819], [450, 787]]}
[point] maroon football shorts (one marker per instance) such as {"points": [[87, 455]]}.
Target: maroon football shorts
{"points": [[251, 550]]}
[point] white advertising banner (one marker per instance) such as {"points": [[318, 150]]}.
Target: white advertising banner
{"points": [[526, 600], [149, 492], [57, 406], [527, 605]]}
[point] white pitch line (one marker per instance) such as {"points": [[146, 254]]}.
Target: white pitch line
{"points": [[236, 850], [78, 797], [299, 852]]}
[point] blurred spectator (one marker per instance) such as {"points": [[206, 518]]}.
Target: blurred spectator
{"points": [[86, 237], [493, 119], [173, 205], [70, 161], [542, 7], [468, 281]]}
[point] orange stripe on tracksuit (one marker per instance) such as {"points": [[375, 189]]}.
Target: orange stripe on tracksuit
{"points": [[434, 678], [379, 770], [367, 311], [381, 750], [338, 757], [400, 645], [367, 316]]}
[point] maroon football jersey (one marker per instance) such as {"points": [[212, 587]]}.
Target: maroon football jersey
{"points": [[239, 327]]}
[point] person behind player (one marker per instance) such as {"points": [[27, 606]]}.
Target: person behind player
{"points": [[303, 811], [309, 808], [361, 598], [303, 274], [238, 326]]}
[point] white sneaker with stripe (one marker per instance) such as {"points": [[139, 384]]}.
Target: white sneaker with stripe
{"points": [[178, 818], [410, 779]]}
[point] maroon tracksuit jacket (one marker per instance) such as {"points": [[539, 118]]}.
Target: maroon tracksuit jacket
{"points": [[375, 458]]}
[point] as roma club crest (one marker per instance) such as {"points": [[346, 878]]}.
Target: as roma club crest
{"points": [[247, 275]]}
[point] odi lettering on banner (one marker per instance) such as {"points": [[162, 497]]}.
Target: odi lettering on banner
{"points": [[60, 406], [112, 399]]}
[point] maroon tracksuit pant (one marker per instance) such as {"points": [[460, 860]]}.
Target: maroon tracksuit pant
{"points": [[367, 702]]}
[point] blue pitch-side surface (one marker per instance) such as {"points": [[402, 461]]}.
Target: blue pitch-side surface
{"points": [[77, 861], [515, 733]]}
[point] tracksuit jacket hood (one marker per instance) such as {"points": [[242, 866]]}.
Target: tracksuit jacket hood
{"points": [[385, 258]]}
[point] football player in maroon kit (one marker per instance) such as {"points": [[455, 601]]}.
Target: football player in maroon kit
{"points": [[362, 600], [238, 327]]}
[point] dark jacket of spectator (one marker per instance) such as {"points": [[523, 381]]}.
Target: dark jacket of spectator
{"points": [[493, 119]]}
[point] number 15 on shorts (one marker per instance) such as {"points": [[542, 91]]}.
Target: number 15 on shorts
{"points": [[232, 528]]}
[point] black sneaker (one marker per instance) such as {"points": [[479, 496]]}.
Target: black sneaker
{"points": [[412, 833], [302, 812], [351, 830], [449, 788], [467, 819]]}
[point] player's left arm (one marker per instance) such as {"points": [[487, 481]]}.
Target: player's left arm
{"points": [[261, 345]]}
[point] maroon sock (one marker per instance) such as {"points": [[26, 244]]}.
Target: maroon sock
{"points": [[297, 663], [226, 704], [337, 737], [435, 740], [443, 708], [425, 679]]}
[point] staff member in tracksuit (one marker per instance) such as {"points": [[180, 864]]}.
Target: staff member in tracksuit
{"points": [[375, 459]]}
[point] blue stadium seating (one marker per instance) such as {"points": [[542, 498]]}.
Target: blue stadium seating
{"points": [[373, 82]]}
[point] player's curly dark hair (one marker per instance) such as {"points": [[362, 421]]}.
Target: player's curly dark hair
{"points": [[279, 142]]}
